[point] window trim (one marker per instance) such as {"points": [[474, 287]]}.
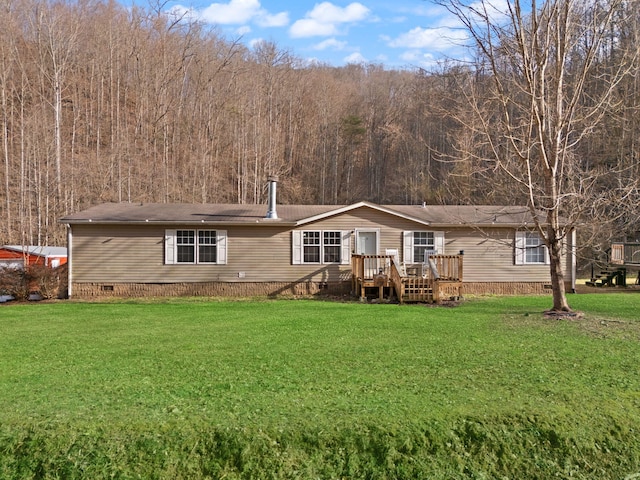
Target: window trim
{"points": [[408, 244], [199, 245], [520, 248], [319, 245], [191, 244], [424, 247], [171, 246], [297, 247]]}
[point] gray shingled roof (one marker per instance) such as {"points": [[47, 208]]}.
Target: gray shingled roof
{"points": [[435, 215], [193, 213], [479, 215]]}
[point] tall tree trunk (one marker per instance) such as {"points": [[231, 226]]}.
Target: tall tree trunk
{"points": [[560, 303]]}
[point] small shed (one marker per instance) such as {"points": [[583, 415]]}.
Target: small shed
{"points": [[18, 256]]}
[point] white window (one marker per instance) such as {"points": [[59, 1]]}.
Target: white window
{"points": [[423, 245], [318, 246], [418, 245], [207, 246], [311, 247], [331, 247], [185, 246], [530, 249], [195, 246]]}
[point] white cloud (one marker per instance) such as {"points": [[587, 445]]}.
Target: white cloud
{"points": [[308, 27], [278, 20], [431, 38], [410, 56], [312, 61], [327, 12], [330, 44], [424, 60], [234, 12], [240, 12], [182, 12], [326, 18], [496, 9], [355, 57], [446, 35], [382, 58]]}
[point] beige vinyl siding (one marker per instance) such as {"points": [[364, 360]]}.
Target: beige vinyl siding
{"points": [[264, 255], [117, 253], [135, 253], [489, 256], [391, 227]]}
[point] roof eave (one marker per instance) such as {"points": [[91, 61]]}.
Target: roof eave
{"points": [[261, 222], [481, 225]]}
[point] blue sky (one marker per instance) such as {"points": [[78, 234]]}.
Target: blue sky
{"points": [[394, 33]]}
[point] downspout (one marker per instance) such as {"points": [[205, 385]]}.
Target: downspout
{"points": [[69, 247]]}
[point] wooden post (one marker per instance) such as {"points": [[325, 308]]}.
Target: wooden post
{"points": [[380, 280]]}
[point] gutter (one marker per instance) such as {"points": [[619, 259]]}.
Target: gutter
{"points": [[261, 222]]}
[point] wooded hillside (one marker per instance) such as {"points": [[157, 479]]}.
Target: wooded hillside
{"points": [[101, 103]]}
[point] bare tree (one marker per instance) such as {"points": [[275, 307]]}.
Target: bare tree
{"points": [[535, 111], [57, 33]]}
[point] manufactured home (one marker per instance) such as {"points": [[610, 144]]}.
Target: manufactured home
{"points": [[137, 249]]}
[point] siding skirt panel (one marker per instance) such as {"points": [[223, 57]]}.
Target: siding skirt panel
{"points": [[506, 288], [284, 289], [207, 289]]}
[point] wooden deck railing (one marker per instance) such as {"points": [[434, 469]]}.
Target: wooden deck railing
{"points": [[449, 267], [368, 266], [413, 282], [395, 276], [625, 254]]}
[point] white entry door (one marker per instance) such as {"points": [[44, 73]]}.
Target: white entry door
{"points": [[367, 244]]}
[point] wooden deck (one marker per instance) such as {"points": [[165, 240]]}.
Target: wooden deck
{"points": [[625, 254], [623, 259], [432, 282]]}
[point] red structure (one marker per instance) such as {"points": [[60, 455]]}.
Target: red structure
{"points": [[17, 256]]}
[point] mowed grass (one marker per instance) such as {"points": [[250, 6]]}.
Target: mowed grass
{"points": [[311, 389]]}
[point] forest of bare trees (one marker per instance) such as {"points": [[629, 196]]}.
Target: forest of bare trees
{"points": [[101, 103]]}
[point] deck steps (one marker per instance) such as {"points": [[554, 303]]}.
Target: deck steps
{"points": [[614, 277]]}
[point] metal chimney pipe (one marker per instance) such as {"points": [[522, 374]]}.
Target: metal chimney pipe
{"points": [[271, 209]]}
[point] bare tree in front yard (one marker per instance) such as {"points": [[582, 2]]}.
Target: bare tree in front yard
{"points": [[545, 76]]}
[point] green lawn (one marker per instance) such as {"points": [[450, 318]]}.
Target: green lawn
{"points": [[311, 389]]}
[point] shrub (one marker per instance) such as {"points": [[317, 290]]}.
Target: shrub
{"points": [[12, 282], [20, 283]]}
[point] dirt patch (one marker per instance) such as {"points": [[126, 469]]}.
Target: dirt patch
{"points": [[609, 328], [553, 314], [444, 303], [594, 326], [581, 288]]}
